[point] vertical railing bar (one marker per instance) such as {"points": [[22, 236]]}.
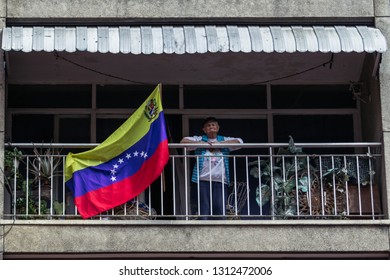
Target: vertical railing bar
{"points": [[198, 184], [63, 186], [137, 205], [27, 183], [309, 185], [296, 184], [76, 210], [334, 188], [186, 181], [322, 189], [174, 184], [223, 186], [113, 211], [162, 193], [150, 200], [260, 192], [14, 187], [210, 185], [235, 186], [272, 183], [284, 178], [358, 179], [39, 188], [346, 186], [247, 185], [371, 182], [51, 184]]}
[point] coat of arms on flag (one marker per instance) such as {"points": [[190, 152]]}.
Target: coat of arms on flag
{"points": [[151, 109]]}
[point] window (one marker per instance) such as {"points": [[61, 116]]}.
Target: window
{"points": [[74, 129], [49, 96], [312, 97], [225, 97], [32, 128], [124, 96], [65, 113]]}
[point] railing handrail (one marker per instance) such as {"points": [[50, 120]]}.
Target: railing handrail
{"points": [[220, 145]]}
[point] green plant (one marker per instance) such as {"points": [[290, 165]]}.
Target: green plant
{"points": [[44, 166], [28, 200], [345, 169], [12, 157], [315, 185], [58, 207], [12, 175], [32, 206], [283, 175]]}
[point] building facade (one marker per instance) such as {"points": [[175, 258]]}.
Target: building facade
{"points": [[314, 70]]}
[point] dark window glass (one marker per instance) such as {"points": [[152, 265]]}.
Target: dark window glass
{"points": [[174, 128], [124, 96], [324, 128], [225, 97], [75, 130], [312, 96], [314, 129], [49, 96], [32, 128], [105, 127]]}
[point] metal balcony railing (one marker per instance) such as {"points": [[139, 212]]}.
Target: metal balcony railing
{"points": [[267, 181]]}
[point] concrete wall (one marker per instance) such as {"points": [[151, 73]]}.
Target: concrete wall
{"points": [[193, 238], [2, 126], [382, 21], [381, 8], [190, 9]]}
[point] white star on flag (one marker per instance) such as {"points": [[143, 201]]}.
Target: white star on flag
{"points": [[128, 156]]}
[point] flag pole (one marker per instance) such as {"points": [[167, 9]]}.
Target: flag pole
{"points": [[163, 171]]}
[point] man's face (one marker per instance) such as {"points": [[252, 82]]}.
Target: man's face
{"points": [[211, 127]]}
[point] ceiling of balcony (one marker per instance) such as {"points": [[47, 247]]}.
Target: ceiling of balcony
{"points": [[208, 68]]}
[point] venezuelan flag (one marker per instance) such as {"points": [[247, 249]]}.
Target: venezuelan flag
{"points": [[122, 166]]}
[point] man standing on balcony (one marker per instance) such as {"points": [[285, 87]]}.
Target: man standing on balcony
{"points": [[213, 169]]}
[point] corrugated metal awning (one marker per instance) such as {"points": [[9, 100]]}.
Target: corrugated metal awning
{"points": [[194, 39]]}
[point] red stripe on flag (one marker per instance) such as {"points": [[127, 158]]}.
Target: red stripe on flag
{"points": [[103, 199]]}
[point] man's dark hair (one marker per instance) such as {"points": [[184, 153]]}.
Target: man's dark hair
{"points": [[209, 119]]}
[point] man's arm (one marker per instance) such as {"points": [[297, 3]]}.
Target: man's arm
{"points": [[188, 140], [232, 141]]}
